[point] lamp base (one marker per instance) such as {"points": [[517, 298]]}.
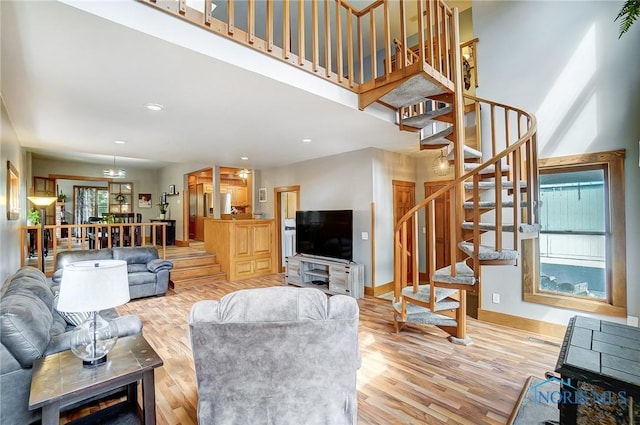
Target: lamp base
{"points": [[93, 339], [94, 363]]}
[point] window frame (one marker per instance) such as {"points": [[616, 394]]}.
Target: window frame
{"points": [[616, 302]]}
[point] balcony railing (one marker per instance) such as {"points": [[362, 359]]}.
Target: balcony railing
{"points": [[332, 39]]}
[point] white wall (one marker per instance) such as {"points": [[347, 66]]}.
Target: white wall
{"points": [[10, 150], [563, 61], [388, 166], [333, 182]]}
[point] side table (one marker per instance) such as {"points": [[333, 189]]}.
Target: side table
{"points": [[59, 379]]}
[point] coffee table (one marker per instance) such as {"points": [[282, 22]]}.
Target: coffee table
{"points": [[59, 379]]}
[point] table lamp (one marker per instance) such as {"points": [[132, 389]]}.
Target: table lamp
{"points": [[91, 286]]}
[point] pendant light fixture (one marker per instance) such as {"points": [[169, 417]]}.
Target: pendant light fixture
{"points": [[441, 164], [114, 173]]}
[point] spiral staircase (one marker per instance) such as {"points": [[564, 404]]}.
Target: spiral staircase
{"points": [[492, 197]]}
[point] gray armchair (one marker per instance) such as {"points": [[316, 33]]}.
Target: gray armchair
{"points": [[276, 356]]}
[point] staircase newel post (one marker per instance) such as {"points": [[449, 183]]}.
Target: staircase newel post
{"points": [[458, 123]]}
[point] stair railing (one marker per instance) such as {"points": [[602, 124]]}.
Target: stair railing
{"points": [[331, 39], [82, 237], [513, 142]]}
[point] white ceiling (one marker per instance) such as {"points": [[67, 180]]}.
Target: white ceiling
{"points": [[73, 83]]}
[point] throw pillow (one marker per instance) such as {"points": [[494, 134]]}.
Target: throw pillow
{"points": [[75, 318]]}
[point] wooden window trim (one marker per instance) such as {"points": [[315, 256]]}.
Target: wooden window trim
{"points": [[616, 304]]}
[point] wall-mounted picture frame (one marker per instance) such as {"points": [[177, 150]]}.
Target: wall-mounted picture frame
{"points": [[262, 194], [144, 200], [13, 192], [172, 189]]}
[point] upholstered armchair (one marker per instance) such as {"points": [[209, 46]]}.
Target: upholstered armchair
{"points": [[276, 356]]}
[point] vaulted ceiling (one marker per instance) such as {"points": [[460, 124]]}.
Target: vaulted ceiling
{"points": [[74, 82]]}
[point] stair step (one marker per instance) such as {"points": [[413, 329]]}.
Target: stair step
{"points": [[469, 166], [194, 271], [464, 275], [438, 139], [483, 205], [201, 280], [422, 120], [490, 184], [528, 229], [469, 153], [424, 293], [194, 260], [424, 316], [488, 253], [412, 91]]}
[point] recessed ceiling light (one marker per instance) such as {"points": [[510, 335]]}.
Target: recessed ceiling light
{"points": [[306, 140], [244, 158], [154, 107], [119, 142]]}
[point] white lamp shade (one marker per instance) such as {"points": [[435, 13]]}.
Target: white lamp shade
{"points": [[93, 285]]}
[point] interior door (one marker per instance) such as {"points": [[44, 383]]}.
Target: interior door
{"points": [[404, 198], [200, 202], [192, 211], [442, 225]]}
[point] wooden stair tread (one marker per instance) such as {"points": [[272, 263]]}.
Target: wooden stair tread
{"points": [[491, 184], [422, 120], [488, 253], [200, 280], [191, 261], [411, 91], [437, 139], [194, 271], [422, 315], [506, 227], [469, 153], [464, 275]]}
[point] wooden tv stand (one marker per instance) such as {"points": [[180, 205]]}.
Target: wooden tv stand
{"points": [[330, 276]]}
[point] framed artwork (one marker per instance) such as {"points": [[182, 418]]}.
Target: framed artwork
{"points": [[144, 200], [13, 192], [262, 194], [172, 189]]}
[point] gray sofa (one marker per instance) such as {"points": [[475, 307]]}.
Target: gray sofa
{"points": [[31, 328], [276, 356], [148, 275]]}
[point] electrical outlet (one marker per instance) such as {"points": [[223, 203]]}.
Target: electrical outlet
{"points": [[424, 230], [495, 298], [632, 321], [365, 236]]}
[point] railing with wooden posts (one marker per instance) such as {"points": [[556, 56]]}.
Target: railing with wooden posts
{"points": [[332, 39], [513, 142], [89, 236]]}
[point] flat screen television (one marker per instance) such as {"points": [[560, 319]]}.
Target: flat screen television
{"points": [[325, 233]]}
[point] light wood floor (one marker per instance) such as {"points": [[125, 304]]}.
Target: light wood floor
{"points": [[414, 377]]}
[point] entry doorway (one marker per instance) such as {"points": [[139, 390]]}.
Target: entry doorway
{"points": [[200, 190], [287, 202]]}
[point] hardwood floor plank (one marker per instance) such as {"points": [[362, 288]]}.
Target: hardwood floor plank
{"points": [[413, 377]]}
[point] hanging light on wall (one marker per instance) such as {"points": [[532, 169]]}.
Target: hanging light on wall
{"points": [[114, 173], [441, 165]]}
